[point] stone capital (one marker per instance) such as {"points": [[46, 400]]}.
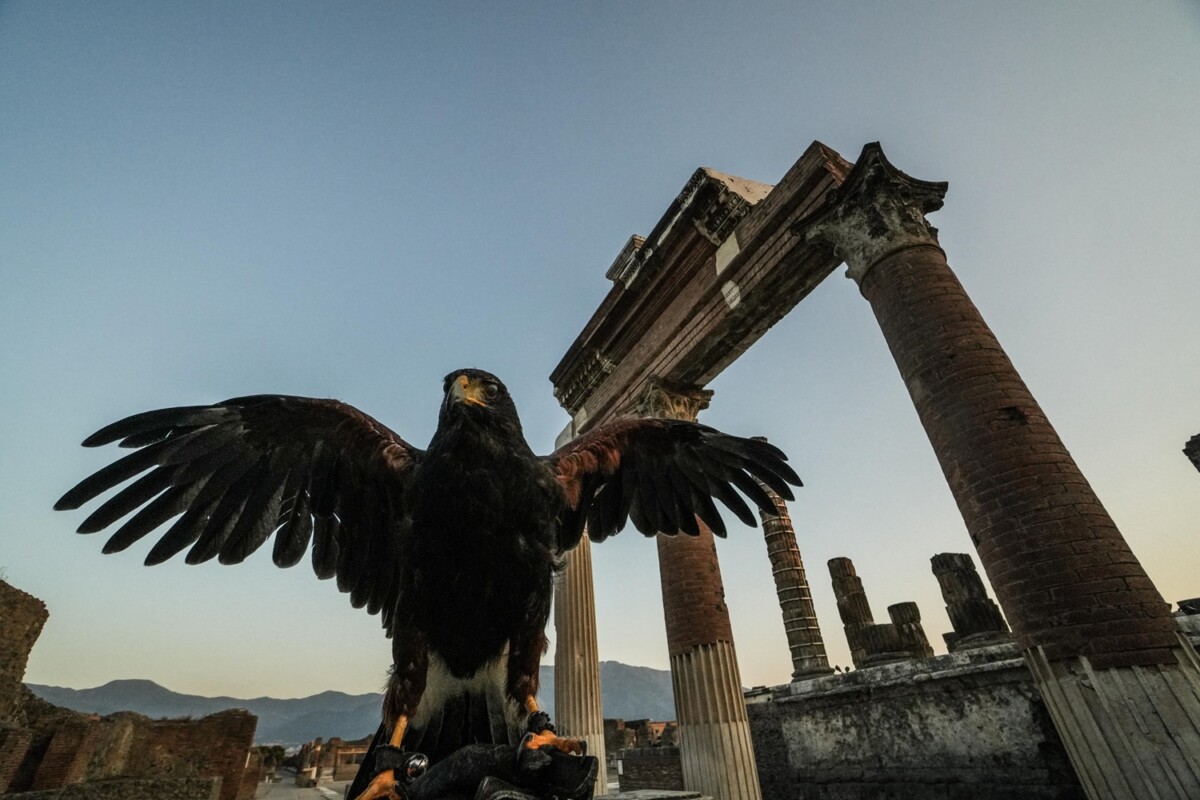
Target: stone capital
{"points": [[660, 399], [876, 211]]}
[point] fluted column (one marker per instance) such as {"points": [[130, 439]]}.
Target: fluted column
{"points": [[1122, 687], [791, 585], [714, 731], [577, 698]]}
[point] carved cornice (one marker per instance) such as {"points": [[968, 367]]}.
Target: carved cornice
{"points": [[659, 399], [592, 370], [628, 263], [875, 212], [716, 219]]}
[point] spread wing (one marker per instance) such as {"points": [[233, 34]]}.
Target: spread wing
{"points": [[661, 474], [236, 472]]}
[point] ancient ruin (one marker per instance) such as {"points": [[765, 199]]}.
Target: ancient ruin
{"points": [[50, 752], [1108, 665], [333, 760]]}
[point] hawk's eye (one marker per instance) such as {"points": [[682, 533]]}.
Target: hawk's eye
{"points": [[492, 391]]}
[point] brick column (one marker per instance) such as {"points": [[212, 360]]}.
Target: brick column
{"points": [[1122, 688], [791, 584], [714, 731], [577, 698]]}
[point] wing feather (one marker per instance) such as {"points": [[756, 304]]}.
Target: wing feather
{"points": [[238, 472], [167, 505], [183, 533], [661, 474], [325, 546], [125, 501], [292, 540]]}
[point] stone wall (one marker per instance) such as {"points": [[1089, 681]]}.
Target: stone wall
{"points": [[84, 748], [21, 619], [964, 725], [181, 789], [44, 748], [649, 768]]}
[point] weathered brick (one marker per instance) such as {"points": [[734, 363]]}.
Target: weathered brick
{"points": [[1047, 544]]}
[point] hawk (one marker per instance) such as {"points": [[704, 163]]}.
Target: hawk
{"points": [[454, 546]]}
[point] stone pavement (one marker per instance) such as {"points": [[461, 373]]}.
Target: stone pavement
{"points": [[286, 789]]}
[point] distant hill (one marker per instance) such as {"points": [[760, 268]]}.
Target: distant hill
{"points": [[628, 693]]}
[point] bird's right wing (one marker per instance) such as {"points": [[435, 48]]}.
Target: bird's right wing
{"points": [[243, 469]]}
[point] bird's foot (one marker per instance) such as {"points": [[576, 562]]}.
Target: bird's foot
{"points": [[395, 770], [541, 734], [537, 741], [538, 722], [383, 786]]}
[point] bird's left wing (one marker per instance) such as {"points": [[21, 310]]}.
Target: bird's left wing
{"points": [[662, 474], [243, 469]]}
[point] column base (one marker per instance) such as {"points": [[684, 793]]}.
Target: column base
{"points": [[1131, 732], [714, 732], [811, 668]]}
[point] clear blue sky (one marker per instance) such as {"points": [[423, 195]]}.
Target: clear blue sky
{"points": [[203, 200]]}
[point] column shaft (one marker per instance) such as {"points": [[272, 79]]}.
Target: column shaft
{"points": [[577, 699], [714, 729], [1120, 683], [853, 607], [1062, 572], [795, 600]]}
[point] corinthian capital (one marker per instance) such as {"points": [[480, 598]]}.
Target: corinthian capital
{"points": [[659, 399], [876, 211]]}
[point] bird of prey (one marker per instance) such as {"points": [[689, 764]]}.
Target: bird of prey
{"points": [[455, 546]]}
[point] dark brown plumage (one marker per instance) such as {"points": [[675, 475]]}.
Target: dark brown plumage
{"points": [[455, 545]]}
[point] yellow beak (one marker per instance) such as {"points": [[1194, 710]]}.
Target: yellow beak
{"points": [[463, 391]]}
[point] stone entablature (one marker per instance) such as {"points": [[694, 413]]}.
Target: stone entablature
{"points": [[675, 310]]}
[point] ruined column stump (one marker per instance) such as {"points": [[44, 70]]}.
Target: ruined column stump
{"points": [[1192, 450], [975, 617], [1121, 685], [906, 617], [853, 607]]}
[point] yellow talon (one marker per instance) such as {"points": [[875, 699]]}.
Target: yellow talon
{"points": [[535, 741], [382, 787]]}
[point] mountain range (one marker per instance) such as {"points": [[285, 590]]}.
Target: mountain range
{"points": [[627, 692]]}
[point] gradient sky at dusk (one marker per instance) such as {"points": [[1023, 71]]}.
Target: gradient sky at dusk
{"points": [[205, 200]]}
